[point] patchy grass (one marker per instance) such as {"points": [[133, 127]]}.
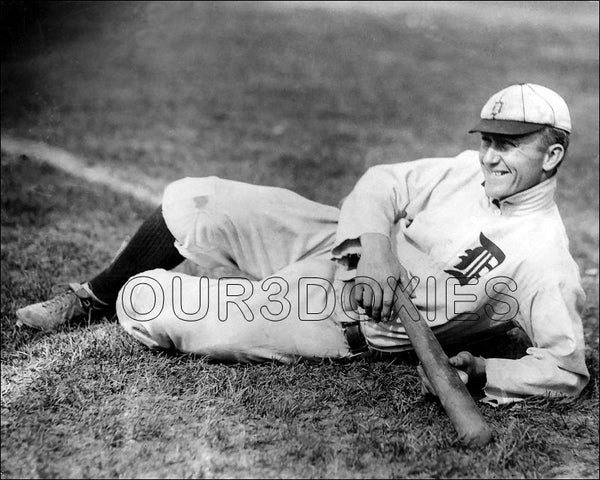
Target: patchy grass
{"points": [[307, 101]]}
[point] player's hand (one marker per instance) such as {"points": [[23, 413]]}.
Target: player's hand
{"points": [[470, 369], [473, 366], [374, 291], [426, 386]]}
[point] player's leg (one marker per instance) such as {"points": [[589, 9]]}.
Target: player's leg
{"points": [[218, 223], [289, 315], [257, 229], [152, 246]]}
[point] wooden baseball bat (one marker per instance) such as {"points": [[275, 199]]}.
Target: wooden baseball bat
{"points": [[470, 425]]}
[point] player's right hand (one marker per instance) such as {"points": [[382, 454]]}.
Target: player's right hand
{"points": [[377, 275]]}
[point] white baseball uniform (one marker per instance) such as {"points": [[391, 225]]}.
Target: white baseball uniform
{"points": [[481, 266]]}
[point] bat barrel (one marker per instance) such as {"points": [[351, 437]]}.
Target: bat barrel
{"points": [[470, 425]]}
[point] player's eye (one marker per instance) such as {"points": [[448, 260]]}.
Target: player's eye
{"points": [[505, 144]]}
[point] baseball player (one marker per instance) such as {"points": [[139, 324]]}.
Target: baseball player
{"points": [[476, 240]]}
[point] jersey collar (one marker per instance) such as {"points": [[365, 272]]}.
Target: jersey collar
{"points": [[536, 198]]}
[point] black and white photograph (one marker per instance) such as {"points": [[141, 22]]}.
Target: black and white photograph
{"points": [[299, 239]]}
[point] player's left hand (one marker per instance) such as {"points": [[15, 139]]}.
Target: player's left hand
{"points": [[470, 369], [473, 366]]}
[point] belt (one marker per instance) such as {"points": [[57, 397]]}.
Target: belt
{"points": [[356, 340]]}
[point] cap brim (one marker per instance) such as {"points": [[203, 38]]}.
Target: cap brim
{"points": [[506, 127]]}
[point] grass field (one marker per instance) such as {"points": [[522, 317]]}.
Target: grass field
{"points": [[265, 93]]}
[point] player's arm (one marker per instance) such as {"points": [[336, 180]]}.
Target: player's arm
{"points": [[377, 274], [555, 364], [365, 226], [384, 195], [387, 193]]}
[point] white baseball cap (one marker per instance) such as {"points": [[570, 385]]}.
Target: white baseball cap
{"points": [[523, 108]]}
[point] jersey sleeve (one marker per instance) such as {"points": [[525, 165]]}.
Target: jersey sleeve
{"points": [[387, 193], [555, 364]]}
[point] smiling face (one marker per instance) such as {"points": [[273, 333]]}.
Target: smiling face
{"points": [[512, 164]]}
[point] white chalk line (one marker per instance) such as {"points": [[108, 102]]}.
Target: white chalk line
{"points": [[75, 166]]}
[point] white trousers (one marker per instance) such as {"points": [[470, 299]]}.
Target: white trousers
{"points": [[271, 234]]}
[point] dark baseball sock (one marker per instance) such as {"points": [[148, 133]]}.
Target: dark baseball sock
{"points": [[151, 247]]}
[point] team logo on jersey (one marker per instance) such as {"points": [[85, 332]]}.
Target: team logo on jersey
{"points": [[496, 109], [477, 261]]}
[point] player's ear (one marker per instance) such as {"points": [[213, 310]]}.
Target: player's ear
{"points": [[553, 156]]}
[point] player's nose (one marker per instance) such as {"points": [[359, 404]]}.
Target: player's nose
{"points": [[491, 156]]}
